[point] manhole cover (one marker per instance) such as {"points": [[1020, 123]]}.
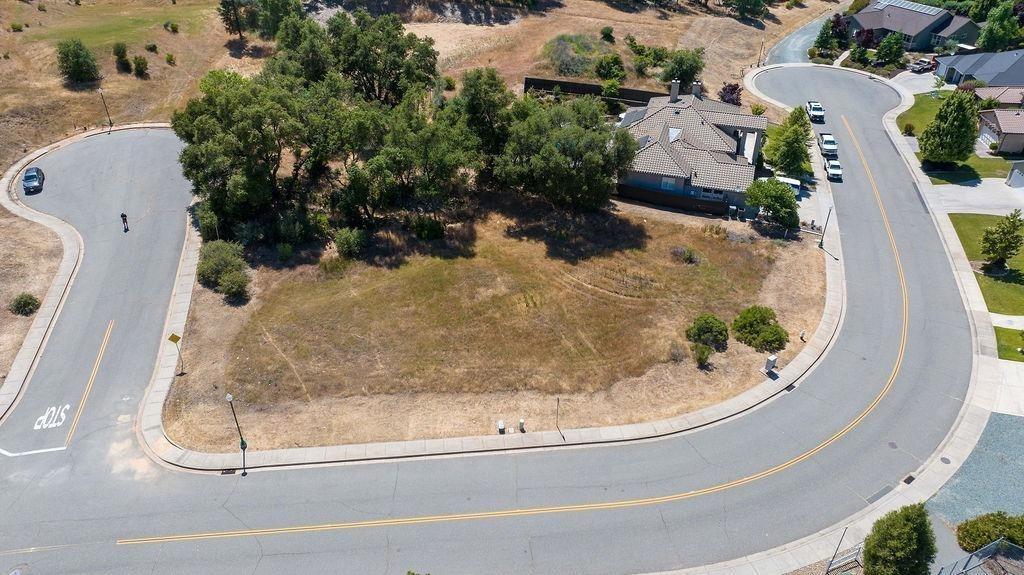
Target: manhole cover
{"points": [[892, 445], [944, 460]]}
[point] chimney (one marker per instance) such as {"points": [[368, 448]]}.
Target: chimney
{"points": [[674, 92], [697, 89]]}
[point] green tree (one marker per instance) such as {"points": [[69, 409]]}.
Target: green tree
{"points": [[608, 34], [238, 16], [786, 150], [270, 14], [76, 63], [859, 54], [485, 101], [777, 199], [980, 9], [747, 8], [1002, 241], [890, 49], [950, 136], [610, 67], [382, 61], [758, 327], [701, 354], [709, 330], [683, 65], [564, 152], [1002, 29], [798, 119], [826, 39], [900, 543]]}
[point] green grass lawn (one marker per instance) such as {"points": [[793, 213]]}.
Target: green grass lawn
{"points": [[1008, 341], [922, 112], [974, 168], [100, 25], [1002, 294]]}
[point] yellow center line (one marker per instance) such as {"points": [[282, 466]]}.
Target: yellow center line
{"points": [[630, 503], [88, 386]]}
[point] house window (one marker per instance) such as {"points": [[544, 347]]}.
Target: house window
{"points": [[907, 39], [668, 183]]}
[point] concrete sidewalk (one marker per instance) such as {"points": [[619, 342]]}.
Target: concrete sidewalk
{"points": [[987, 196]]}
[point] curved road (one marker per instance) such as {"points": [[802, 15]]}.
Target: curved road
{"points": [[877, 405], [793, 48]]}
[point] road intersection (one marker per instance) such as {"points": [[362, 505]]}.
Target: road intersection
{"points": [[875, 408]]}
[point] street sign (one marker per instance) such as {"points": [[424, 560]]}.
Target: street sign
{"points": [[174, 338]]}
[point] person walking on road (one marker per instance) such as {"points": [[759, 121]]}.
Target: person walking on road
{"points": [[124, 221]]}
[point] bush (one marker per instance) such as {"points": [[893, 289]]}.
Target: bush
{"points": [[120, 51], [608, 34], [758, 109], [284, 252], [979, 531], [207, 221], [76, 63], [427, 228], [169, 58], [610, 88], [757, 327], [140, 66], [900, 543], [685, 255], [333, 267], [790, 4], [571, 54], [701, 354], [676, 353], [217, 258], [174, 27], [151, 47], [24, 304], [17, 27], [710, 331], [41, 7], [610, 67], [449, 83], [234, 285], [857, 6], [908, 129], [350, 241], [993, 146]]}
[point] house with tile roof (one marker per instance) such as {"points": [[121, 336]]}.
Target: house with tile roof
{"points": [[1005, 96], [1004, 128], [993, 68], [922, 27], [693, 153]]}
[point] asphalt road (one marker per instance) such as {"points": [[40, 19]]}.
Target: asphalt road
{"points": [[793, 48], [729, 490]]}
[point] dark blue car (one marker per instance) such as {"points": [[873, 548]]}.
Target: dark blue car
{"points": [[32, 181]]}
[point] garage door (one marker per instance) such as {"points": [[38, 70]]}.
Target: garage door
{"points": [[1016, 177], [987, 136]]}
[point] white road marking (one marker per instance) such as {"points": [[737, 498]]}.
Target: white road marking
{"points": [[53, 417], [33, 452]]}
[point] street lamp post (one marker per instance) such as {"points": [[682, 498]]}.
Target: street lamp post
{"points": [[241, 440], [110, 123], [821, 242]]}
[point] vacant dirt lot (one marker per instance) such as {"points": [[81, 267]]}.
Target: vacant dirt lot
{"points": [[446, 345], [37, 109]]}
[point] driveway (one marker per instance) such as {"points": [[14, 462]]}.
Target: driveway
{"points": [[871, 412], [919, 83]]}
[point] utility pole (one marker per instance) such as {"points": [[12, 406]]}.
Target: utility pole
{"points": [[241, 440], [110, 123], [558, 408]]}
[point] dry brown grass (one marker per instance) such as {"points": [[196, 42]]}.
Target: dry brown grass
{"points": [[442, 347]]}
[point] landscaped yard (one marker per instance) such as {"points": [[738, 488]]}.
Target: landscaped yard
{"points": [[1003, 294], [922, 112], [1009, 341], [448, 341]]}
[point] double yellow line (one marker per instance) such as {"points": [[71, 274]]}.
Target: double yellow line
{"points": [[630, 503], [88, 386]]}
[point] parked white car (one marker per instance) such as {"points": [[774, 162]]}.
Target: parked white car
{"points": [[829, 146], [833, 170], [815, 111]]}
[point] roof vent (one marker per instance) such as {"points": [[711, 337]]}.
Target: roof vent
{"points": [[676, 112]]}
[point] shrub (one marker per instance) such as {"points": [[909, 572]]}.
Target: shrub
{"points": [[571, 54], [979, 531], [714, 230], [284, 252], [167, 25], [676, 353], [151, 47], [758, 109], [857, 6], [350, 241], [207, 221], [449, 83], [248, 233], [120, 51], [140, 66], [813, 52], [41, 7], [217, 258], [333, 267], [610, 88], [427, 228], [76, 63], [701, 354], [174, 27], [757, 327], [610, 67], [608, 34], [685, 255], [993, 146], [731, 93], [710, 331], [234, 285], [900, 543], [24, 304], [908, 129], [17, 27], [169, 58]]}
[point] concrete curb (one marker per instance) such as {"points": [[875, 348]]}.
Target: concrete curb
{"points": [[962, 437], [162, 447], [73, 250]]}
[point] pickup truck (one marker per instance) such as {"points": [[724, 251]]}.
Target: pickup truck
{"points": [[833, 171], [921, 66], [829, 146], [815, 111]]}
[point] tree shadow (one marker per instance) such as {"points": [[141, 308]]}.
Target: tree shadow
{"points": [[394, 242], [239, 49], [950, 173], [774, 231], [477, 13]]}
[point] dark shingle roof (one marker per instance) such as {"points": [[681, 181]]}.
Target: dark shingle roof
{"points": [[995, 69], [903, 19], [956, 24]]}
